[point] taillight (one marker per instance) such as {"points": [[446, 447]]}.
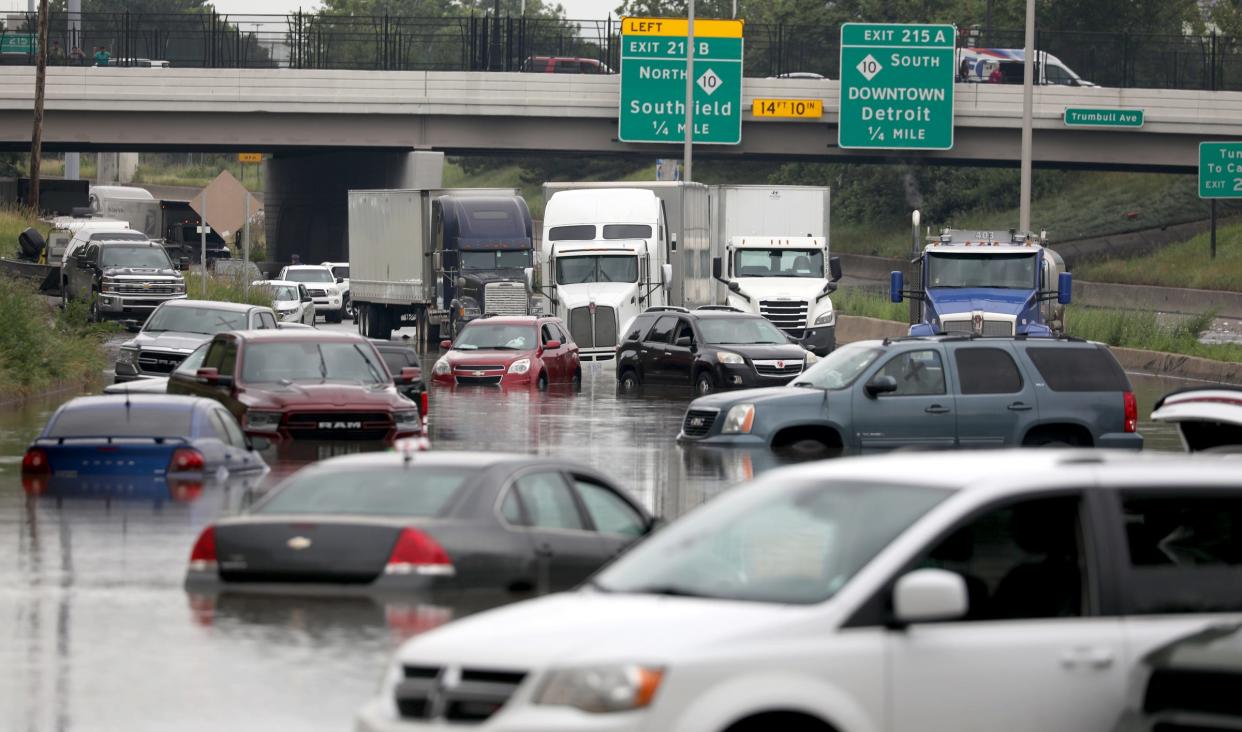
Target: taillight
{"points": [[35, 462], [203, 556], [186, 459], [422, 405], [418, 553], [1131, 412]]}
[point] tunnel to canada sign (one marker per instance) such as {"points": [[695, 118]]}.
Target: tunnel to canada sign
{"points": [[653, 80], [897, 86]]}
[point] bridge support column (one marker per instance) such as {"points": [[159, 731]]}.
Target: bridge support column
{"points": [[306, 195]]}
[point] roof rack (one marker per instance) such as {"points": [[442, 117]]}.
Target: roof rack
{"points": [[666, 308], [724, 308]]}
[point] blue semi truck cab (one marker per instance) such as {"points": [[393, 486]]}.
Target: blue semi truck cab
{"points": [[989, 283]]}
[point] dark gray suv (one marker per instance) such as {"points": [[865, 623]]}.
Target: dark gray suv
{"points": [[935, 393]]}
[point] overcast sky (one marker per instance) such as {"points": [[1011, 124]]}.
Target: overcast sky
{"points": [[584, 9]]}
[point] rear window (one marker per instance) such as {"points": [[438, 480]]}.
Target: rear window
{"points": [[1091, 368], [987, 371], [421, 492], [577, 232], [117, 421]]}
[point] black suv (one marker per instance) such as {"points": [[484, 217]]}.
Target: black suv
{"points": [[714, 347]]}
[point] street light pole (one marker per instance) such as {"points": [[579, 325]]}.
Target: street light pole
{"points": [[687, 154], [1028, 80]]}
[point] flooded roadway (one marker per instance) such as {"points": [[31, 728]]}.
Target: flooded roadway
{"points": [[96, 632]]}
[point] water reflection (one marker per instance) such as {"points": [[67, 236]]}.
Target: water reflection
{"points": [[97, 633]]}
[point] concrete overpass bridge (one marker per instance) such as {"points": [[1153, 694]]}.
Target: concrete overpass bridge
{"points": [[329, 131]]}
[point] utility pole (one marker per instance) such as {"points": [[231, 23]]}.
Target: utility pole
{"points": [[36, 137], [1028, 79], [73, 168], [687, 155]]}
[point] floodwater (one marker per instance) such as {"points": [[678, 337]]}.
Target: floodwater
{"points": [[96, 632]]}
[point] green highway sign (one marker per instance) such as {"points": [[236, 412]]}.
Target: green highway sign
{"points": [[17, 42], [896, 86], [1220, 170], [1088, 117], [653, 81]]}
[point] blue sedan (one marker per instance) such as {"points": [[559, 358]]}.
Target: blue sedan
{"points": [[139, 435]]}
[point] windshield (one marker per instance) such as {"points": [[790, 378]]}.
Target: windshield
{"points": [[779, 263], [576, 232], [778, 541], [627, 231], [274, 363], [1011, 271], [576, 270], [208, 321], [840, 368], [741, 331], [308, 275], [341, 271], [496, 337], [384, 492], [285, 293], [139, 257], [512, 259]]}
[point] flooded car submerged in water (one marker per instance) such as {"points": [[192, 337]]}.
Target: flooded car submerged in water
{"points": [[303, 384]]}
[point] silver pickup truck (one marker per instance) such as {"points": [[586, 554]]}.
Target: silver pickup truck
{"points": [[122, 279]]}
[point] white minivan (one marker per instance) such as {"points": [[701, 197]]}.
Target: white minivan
{"points": [[973, 592]]}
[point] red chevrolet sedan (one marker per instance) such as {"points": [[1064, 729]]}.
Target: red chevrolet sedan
{"points": [[510, 350]]}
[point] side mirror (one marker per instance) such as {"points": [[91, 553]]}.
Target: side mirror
{"points": [[834, 268], [529, 273], [672, 242], [881, 385], [82, 263], [666, 270], [927, 595], [446, 345], [255, 444], [717, 268], [183, 264], [830, 288], [340, 280], [734, 286], [212, 377], [684, 342], [1065, 286], [552, 345], [307, 298], [409, 375], [133, 326], [896, 283]]}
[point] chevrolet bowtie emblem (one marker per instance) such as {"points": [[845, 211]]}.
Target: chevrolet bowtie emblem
{"points": [[298, 543]]}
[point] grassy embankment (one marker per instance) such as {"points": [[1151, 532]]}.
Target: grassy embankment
{"points": [[1128, 329], [43, 347], [1186, 264]]}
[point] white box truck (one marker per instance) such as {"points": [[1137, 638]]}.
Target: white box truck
{"points": [[688, 233], [772, 257], [605, 258], [438, 258]]}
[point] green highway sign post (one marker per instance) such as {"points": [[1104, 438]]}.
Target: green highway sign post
{"points": [[653, 81], [17, 43], [1220, 175], [1087, 117], [897, 86]]}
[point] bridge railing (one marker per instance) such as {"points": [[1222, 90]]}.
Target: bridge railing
{"points": [[492, 43]]}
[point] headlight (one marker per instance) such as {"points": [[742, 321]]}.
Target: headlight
{"points": [[520, 366], [288, 315], [729, 357], [127, 356], [828, 318], [599, 689], [262, 421], [739, 419], [442, 367], [811, 358], [408, 419], [179, 287], [108, 286], [333, 291]]}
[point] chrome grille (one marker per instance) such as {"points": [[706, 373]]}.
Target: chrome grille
{"points": [[504, 298], [467, 695], [602, 333], [779, 367], [148, 288], [315, 292], [159, 362], [699, 422], [991, 327], [788, 315], [339, 425], [956, 326]]}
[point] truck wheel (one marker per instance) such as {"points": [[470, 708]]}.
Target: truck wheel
{"points": [[378, 326], [360, 322], [628, 381], [704, 384], [347, 307]]}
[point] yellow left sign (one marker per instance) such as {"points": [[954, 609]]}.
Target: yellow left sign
{"points": [[680, 27], [249, 157]]}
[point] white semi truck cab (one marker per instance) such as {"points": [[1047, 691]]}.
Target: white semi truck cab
{"points": [[605, 253], [787, 280]]}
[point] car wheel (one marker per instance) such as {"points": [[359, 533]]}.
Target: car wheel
{"points": [[577, 380], [542, 383], [628, 381], [347, 307], [704, 384]]}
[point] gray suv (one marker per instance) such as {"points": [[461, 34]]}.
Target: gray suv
{"points": [[938, 392]]}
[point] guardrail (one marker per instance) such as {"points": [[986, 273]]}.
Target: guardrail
{"points": [[506, 43]]}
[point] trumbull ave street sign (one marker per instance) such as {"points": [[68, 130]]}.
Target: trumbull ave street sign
{"points": [[897, 86], [653, 80], [1092, 117]]}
